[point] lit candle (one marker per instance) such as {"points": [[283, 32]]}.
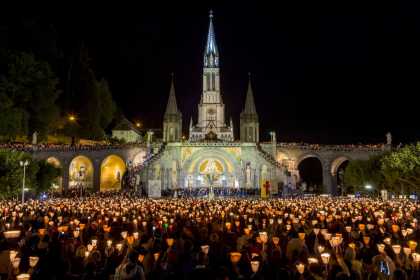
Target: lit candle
{"points": [[12, 255], [255, 265], [235, 257], [325, 257], [416, 257], [33, 260], [16, 262], [396, 249], [312, 260], [300, 268], [23, 276]]}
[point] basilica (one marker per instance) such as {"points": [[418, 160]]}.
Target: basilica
{"points": [[212, 155]]}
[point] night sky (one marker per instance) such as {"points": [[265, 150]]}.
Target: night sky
{"points": [[322, 72]]}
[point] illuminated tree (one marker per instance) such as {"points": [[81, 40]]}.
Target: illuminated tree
{"points": [[401, 168], [39, 174], [359, 173]]}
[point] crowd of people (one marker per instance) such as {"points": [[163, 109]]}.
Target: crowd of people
{"points": [[123, 236]]}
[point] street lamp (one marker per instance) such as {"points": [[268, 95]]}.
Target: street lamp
{"points": [[72, 118], [23, 164], [368, 187]]}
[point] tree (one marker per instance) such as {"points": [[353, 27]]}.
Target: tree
{"points": [[359, 173], [107, 104], [90, 99], [13, 121], [401, 168], [29, 91], [46, 175], [38, 178], [11, 173]]}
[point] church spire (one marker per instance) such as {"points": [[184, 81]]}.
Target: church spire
{"points": [[172, 120], [249, 125], [249, 101], [171, 107], [211, 54]]}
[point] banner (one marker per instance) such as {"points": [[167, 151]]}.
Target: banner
{"points": [[154, 189]]}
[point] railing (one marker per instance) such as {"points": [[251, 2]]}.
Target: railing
{"points": [[269, 157], [155, 156]]}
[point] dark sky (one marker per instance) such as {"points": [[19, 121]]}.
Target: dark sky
{"points": [[323, 72]]}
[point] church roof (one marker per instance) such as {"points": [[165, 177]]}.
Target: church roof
{"points": [[171, 107], [125, 125], [249, 101]]}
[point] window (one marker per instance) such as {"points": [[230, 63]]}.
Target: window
{"points": [[208, 81], [213, 81]]}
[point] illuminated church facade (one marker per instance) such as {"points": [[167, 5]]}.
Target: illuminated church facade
{"points": [[211, 147], [211, 155]]}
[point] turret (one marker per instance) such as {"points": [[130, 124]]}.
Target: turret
{"points": [[172, 120], [249, 124]]}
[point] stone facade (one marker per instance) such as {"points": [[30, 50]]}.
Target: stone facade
{"points": [[248, 165]]}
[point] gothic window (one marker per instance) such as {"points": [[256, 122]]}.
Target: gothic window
{"points": [[213, 81], [208, 81]]}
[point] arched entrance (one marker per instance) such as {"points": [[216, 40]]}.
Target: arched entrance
{"points": [[112, 171], [310, 173], [81, 173], [210, 167], [57, 184], [338, 167]]}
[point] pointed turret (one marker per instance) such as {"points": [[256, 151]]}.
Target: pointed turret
{"points": [[211, 54], [172, 120], [171, 107], [249, 125], [249, 101]]}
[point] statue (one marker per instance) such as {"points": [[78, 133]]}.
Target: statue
{"points": [[389, 138], [248, 174], [35, 138], [118, 176], [210, 172]]}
